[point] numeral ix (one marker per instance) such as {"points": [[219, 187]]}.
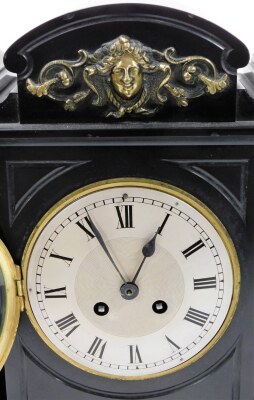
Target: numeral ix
{"points": [[57, 293]]}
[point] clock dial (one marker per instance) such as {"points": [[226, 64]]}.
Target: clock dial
{"points": [[130, 278]]}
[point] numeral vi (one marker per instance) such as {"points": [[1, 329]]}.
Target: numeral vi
{"points": [[135, 356]]}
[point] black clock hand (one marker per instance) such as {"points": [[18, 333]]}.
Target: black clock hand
{"points": [[103, 245], [148, 250]]}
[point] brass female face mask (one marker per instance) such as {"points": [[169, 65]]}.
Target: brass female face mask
{"points": [[126, 77]]}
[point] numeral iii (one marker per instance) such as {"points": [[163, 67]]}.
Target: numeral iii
{"points": [[205, 283]]}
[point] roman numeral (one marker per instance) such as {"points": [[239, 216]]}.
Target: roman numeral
{"points": [[97, 348], [205, 283], [68, 323], [135, 357], [85, 225], [173, 345], [67, 260], [193, 248], [196, 317], [125, 216], [58, 293], [163, 224]]}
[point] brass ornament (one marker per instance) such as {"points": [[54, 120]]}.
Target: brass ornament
{"points": [[126, 77]]}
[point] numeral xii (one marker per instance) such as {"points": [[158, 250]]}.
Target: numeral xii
{"points": [[125, 216]]}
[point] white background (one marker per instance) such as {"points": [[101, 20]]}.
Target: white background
{"points": [[20, 16]]}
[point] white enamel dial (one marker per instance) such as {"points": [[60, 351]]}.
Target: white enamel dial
{"points": [[92, 243]]}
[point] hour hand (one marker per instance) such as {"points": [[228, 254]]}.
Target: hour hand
{"points": [[149, 248], [147, 251], [103, 245]]}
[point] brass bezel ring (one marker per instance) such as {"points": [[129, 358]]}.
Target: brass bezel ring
{"points": [[12, 313]]}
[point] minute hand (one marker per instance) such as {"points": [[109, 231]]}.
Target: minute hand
{"points": [[103, 245], [148, 250]]}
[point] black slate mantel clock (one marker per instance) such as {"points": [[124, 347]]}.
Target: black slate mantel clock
{"points": [[126, 206]]}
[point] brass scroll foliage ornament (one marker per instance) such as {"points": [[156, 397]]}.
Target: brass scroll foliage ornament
{"points": [[124, 76]]}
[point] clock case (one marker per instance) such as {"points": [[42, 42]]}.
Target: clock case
{"points": [[205, 149]]}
